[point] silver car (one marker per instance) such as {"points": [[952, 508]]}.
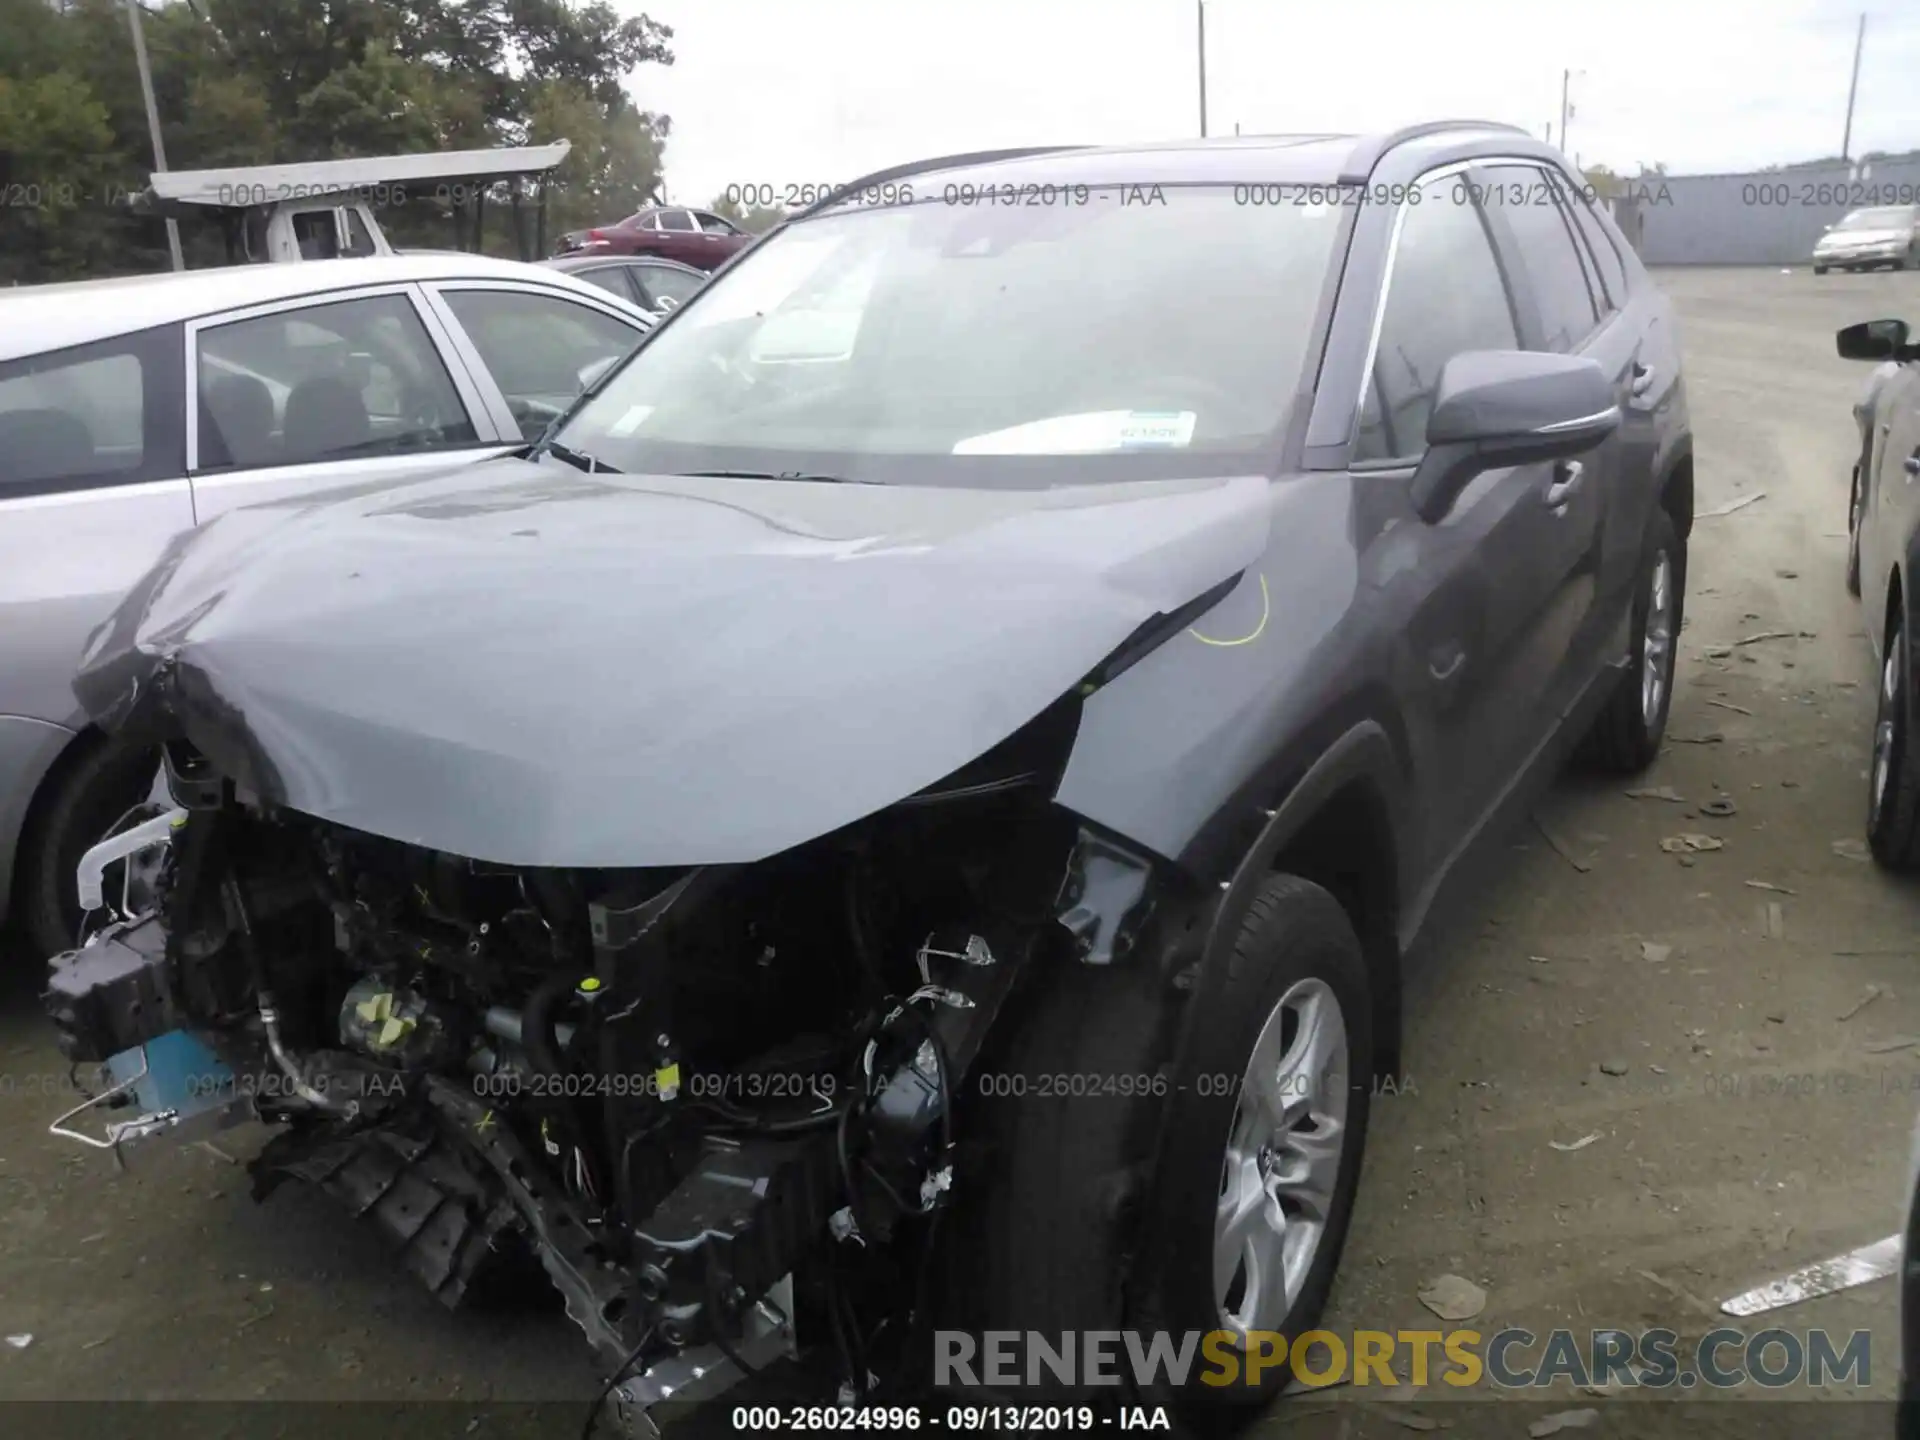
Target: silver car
{"points": [[1883, 235], [133, 409], [653, 281]]}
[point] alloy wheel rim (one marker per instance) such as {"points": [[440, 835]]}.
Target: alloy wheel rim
{"points": [[1883, 727], [1657, 646], [1282, 1162]]}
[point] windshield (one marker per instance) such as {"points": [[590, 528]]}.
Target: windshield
{"points": [[1139, 330], [1887, 217]]}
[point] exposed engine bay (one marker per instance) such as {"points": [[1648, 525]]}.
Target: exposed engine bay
{"points": [[722, 1108]]}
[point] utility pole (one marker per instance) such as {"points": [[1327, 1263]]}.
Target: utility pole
{"points": [[1200, 13], [1853, 88], [153, 121], [1566, 77]]}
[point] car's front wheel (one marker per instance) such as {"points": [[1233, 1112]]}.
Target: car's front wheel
{"points": [[1893, 779], [1626, 734], [1258, 1122], [90, 800], [1819, 269]]}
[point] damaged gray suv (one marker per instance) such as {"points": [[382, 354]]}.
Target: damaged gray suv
{"points": [[903, 812]]}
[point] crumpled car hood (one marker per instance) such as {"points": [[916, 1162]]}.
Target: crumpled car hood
{"points": [[534, 666]]}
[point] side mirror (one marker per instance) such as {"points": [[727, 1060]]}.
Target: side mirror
{"points": [[1508, 407], [1872, 340], [592, 372]]}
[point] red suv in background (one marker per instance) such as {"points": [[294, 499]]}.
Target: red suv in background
{"points": [[693, 237]]}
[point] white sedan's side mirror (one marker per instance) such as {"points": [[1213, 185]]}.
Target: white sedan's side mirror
{"points": [[590, 373]]}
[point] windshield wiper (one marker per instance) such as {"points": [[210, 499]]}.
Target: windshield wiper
{"points": [[579, 459], [773, 475]]}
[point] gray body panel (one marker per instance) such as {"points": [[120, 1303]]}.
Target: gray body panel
{"points": [[1890, 500], [637, 671], [604, 670]]}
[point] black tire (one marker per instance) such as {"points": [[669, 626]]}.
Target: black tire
{"points": [[1625, 736], [1853, 535], [1083, 1230], [86, 800], [1893, 776], [1819, 269]]}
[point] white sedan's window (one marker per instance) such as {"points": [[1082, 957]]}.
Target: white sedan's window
{"points": [[668, 283], [62, 421], [335, 381], [539, 348]]}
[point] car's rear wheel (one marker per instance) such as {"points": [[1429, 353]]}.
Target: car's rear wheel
{"points": [[1626, 734], [1239, 1225], [1853, 535], [89, 801], [1893, 779]]}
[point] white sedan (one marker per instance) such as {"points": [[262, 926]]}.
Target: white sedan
{"points": [[132, 409]]}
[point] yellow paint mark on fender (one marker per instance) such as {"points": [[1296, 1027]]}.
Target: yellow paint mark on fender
{"points": [[1266, 610]]}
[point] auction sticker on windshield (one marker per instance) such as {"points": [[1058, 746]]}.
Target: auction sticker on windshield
{"points": [[631, 421], [1092, 431]]}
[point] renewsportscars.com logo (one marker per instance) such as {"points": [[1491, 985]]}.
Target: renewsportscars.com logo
{"points": [[1513, 1358]]}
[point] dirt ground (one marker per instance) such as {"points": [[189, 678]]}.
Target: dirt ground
{"points": [[1755, 1127]]}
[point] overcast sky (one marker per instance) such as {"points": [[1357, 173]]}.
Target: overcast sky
{"points": [[781, 92]]}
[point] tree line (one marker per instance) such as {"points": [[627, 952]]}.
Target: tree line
{"points": [[254, 82]]}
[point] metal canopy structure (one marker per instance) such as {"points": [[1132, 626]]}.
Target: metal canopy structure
{"points": [[245, 185]]}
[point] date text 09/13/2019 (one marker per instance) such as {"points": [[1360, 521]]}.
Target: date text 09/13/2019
{"points": [[1003, 1419]]}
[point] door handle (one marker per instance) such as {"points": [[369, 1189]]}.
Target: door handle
{"points": [[1568, 476], [1642, 379]]}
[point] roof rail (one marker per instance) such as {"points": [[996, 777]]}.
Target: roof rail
{"points": [[1368, 154], [922, 167]]}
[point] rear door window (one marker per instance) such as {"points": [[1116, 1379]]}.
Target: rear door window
{"points": [[611, 278], [676, 220], [330, 381], [664, 286], [100, 414], [1613, 274], [1529, 202]]}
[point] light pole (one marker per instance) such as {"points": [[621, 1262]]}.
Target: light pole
{"points": [[1566, 104], [153, 121], [1853, 88], [1200, 15]]}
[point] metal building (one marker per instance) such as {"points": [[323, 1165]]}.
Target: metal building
{"points": [[1759, 217]]}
